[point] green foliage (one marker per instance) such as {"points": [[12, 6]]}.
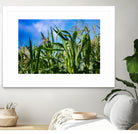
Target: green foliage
{"points": [[132, 63], [129, 84], [75, 53], [115, 91], [136, 45], [132, 68], [134, 77]]}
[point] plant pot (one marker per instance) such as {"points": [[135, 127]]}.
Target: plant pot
{"points": [[8, 117]]}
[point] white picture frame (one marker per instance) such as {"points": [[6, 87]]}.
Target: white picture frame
{"points": [[11, 78]]}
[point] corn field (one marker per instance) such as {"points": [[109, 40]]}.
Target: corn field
{"points": [[75, 53]]}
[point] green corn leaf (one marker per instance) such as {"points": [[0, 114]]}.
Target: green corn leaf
{"points": [[52, 36], [52, 49], [48, 49], [31, 54], [42, 35], [31, 50], [59, 44], [75, 35], [37, 60], [59, 33]]}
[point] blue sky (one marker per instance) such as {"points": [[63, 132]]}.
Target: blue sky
{"points": [[33, 28]]}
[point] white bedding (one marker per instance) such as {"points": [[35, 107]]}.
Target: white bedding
{"points": [[101, 123]]}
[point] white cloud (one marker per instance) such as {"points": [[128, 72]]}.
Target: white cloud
{"points": [[40, 27], [45, 25]]}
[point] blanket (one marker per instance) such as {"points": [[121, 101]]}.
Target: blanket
{"points": [[61, 117]]}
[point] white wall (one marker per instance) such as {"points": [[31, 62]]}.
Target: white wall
{"points": [[37, 105]]}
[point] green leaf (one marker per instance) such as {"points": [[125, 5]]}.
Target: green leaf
{"points": [[30, 48], [114, 91], [113, 97], [136, 45], [75, 35], [31, 54], [134, 77], [51, 49], [132, 63], [59, 44], [59, 33], [129, 84], [37, 60], [64, 31], [42, 35], [52, 36], [48, 49]]}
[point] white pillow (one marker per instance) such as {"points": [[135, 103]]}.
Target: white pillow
{"points": [[109, 104], [124, 112]]}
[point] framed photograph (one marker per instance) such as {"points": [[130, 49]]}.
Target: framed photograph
{"points": [[58, 46]]}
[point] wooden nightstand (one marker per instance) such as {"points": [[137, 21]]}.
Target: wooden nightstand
{"points": [[26, 127]]}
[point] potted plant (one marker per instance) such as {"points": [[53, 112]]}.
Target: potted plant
{"points": [[8, 115], [132, 68]]}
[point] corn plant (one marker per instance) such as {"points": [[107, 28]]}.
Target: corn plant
{"points": [[75, 53]]}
